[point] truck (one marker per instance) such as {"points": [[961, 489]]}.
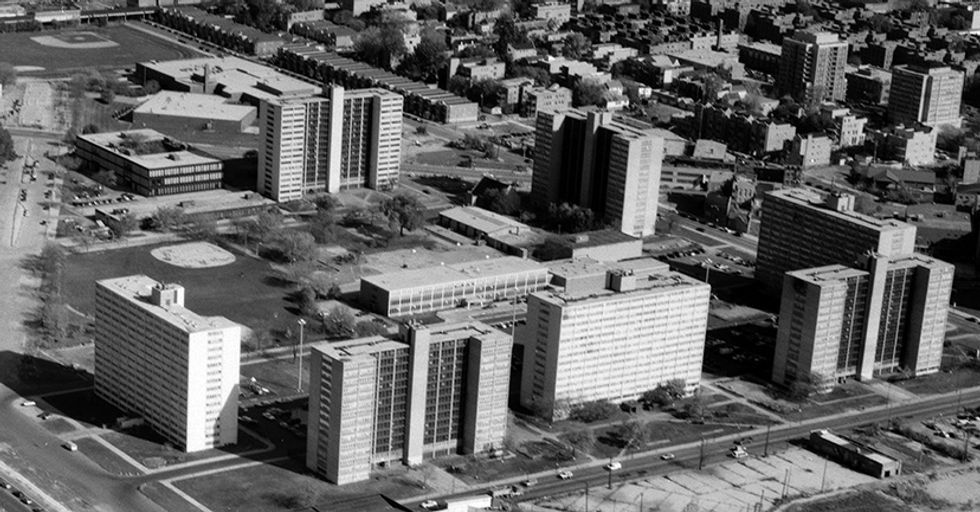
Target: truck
{"points": [[738, 452]]}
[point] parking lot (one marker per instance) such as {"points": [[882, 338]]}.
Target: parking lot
{"points": [[728, 487]]}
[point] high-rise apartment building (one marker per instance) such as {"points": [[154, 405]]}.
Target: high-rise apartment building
{"points": [[610, 165], [926, 94], [812, 66], [433, 390], [839, 322], [346, 139], [611, 336], [157, 359], [802, 228]]}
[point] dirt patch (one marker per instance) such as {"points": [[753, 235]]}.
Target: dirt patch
{"points": [[194, 255]]}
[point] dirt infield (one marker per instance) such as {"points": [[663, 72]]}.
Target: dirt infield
{"points": [[75, 41], [194, 255]]}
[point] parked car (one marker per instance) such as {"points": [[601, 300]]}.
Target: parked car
{"points": [[667, 456], [613, 466], [565, 474]]}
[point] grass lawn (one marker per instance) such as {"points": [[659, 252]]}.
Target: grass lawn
{"points": [[268, 488], [243, 291], [166, 498], [279, 375], [104, 457], [151, 450], [531, 457], [739, 413], [133, 46], [942, 382], [57, 426], [814, 410]]}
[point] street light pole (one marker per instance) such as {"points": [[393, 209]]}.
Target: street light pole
{"points": [[299, 372]]}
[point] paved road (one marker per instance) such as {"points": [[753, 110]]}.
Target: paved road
{"points": [[716, 451], [468, 173]]}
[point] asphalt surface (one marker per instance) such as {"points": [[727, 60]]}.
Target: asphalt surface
{"points": [[717, 450]]}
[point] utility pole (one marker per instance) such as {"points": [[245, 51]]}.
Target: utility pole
{"points": [[823, 479], [701, 456], [785, 484], [765, 451]]}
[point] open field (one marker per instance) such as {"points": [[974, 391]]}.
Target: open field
{"points": [[147, 447], [243, 291], [289, 487], [131, 46], [278, 375]]}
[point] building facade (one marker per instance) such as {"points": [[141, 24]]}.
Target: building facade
{"points": [[471, 284], [927, 95], [157, 359], [348, 139], [869, 85], [149, 163], [801, 228], [593, 160], [840, 322], [612, 340], [812, 65], [429, 392]]}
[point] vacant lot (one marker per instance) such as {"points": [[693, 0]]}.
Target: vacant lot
{"points": [[131, 46], [243, 291]]}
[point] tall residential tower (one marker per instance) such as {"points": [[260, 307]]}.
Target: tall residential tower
{"points": [[802, 228], [157, 359], [431, 391], [610, 165], [346, 139], [812, 67], [930, 95]]}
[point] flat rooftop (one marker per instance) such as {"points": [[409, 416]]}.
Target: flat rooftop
{"points": [[136, 289], [851, 446], [770, 48], [199, 106], [121, 143], [814, 200], [366, 347], [818, 275], [482, 220], [649, 284], [232, 73], [446, 274], [582, 267]]}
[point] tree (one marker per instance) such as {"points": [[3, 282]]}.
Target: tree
{"points": [[694, 409], [6, 146], [919, 5], [880, 23], [656, 397], [403, 211], [168, 218], [588, 92], [151, 87], [596, 410], [805, 385], [8, 75], [502, 201], [508, 34], [569, 218], [576, 46], [366, 328], [267, 222], [539, 75], [339, 322], [126, 224], [429, 57], [632, 434], [582, 440], [90, 128], [711, 86], [295, 246], [306, 301], [107, 96], [476, 51], [381, 46], [204, 228], [321, 226]]}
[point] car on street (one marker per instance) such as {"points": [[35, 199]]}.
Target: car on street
{"points": [[565, 474], [70, 446], [429, 504], [28, 403], [667, 456], [613, 466]]}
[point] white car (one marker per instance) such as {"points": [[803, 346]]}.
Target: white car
{"points": [[613, 466], [667, 456], [28, 403], [429, 504], [565, 474]]}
